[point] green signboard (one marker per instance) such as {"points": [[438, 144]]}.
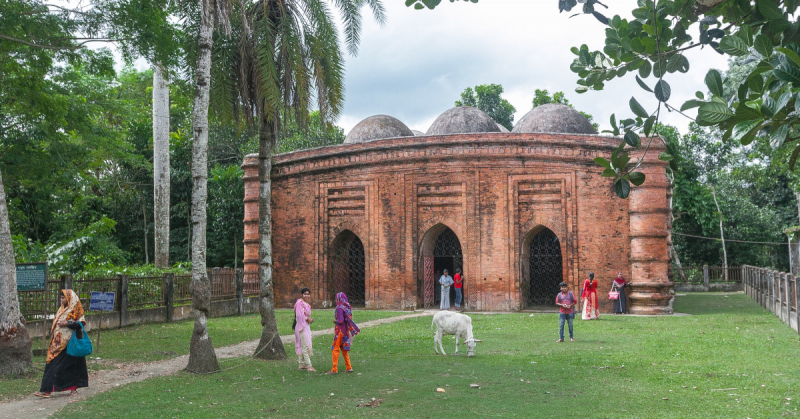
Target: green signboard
{"points": [[31, 276]]}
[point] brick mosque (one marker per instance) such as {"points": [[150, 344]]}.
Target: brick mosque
{"points": [[382, 215]]}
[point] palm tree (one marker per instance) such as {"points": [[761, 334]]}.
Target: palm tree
{"points": [[286, 55]]}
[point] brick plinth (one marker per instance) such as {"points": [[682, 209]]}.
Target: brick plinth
{"points": [[495, 191]]}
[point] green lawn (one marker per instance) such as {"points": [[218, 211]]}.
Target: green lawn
{"points": [[730, 358], [154, 342]]}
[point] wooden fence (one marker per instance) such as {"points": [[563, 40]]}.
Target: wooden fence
{"points": [[775, 291], [137, 292]]}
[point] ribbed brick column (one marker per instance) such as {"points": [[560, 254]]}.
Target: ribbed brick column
{"points": [[250, 166], [651, 289]]}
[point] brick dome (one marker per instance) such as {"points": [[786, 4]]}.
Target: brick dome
{"points": [[463, 120], [554, 118], [376, 127]]}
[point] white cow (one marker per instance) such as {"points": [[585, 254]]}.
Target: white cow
{"points": [[452, 323]]}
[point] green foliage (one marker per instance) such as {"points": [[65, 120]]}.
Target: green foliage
{"points": [[486, 97], [760, 106], [316, 133]]}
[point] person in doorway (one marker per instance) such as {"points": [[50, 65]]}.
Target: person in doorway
{"points": [[566, 312], [64, 372], [457, 284], [589, 297], [445, 281], [343, 334], [618, 284], [302, 330]]}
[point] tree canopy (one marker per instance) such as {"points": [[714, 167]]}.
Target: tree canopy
{"points": [[486, 97]]}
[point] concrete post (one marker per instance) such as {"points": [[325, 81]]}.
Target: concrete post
{"points": [[169, 295], [706, 286], [123, 300]]}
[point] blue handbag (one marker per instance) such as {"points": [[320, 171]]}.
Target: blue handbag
{"points": [[79, 347]]}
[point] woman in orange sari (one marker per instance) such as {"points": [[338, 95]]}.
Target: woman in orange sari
{"points": [[589, 297], [64, 372]]}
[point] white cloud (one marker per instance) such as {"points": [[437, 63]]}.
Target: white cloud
{"points": [[415, 67]]}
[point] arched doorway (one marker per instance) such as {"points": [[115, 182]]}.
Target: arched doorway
{"points": [[441, 250], [347, 268], [542, 268]]}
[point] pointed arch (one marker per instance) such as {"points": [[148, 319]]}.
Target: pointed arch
{"points": [[347, 267], [542, 267], [440, 249]]}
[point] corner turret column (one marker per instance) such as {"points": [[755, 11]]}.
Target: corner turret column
{"points": [[651, 290], [250, 166]]}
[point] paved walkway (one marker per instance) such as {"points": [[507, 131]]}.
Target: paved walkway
{"points": [[100, 381]]}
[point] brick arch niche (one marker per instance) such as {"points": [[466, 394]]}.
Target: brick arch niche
{"points": [[440, 249], [493, 190], [347, 268], [542, 268]]}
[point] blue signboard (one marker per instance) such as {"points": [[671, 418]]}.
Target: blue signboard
{"points": [[102, 301]]}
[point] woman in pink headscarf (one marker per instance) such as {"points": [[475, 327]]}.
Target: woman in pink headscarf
{"points": [[302, 330], [346, 328]]}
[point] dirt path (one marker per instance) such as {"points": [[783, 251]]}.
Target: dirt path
{"points": [[100, 381]]}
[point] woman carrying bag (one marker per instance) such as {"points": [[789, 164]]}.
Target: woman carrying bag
{"points": [[65, 372], [617, 294]]}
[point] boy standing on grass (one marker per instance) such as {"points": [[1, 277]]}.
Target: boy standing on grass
{"points": [[565, 301]]}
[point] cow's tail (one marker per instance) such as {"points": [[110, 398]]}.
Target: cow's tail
{"points": [[432, 322]]}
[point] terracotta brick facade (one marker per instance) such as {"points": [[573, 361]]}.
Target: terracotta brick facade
{"points": [[495, 191]]}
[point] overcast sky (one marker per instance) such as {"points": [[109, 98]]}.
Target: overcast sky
{"points": [[416, 65]]}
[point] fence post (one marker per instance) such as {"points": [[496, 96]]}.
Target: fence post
{"points": [[781, 295], [796, 306], [240, 290], [706, 286], [123, 300], [787, 298], [169, 295], [66, 282]]}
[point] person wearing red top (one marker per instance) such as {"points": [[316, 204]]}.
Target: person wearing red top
{"points": [[589, 297], [565, 301], [457, 282]]}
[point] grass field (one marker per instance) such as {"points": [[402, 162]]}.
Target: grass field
{"points": [[729, 358], [154, 342]]}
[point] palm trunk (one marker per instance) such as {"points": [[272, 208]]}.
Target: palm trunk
{"points": [[161, 172], [270, 346], [722, 236], [15, 343], [202, 358], [146, 249]]}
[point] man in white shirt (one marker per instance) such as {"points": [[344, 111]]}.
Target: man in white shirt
{"points": [[446, 281]]}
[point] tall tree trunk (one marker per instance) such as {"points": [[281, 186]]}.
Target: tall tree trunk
{"points": [[722, 236], [270, 346], [146, 249], [189, 233], [161, 172], [670, 246], [15, 343], [202, 358]]}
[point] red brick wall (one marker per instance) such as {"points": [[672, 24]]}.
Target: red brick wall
{"points": [[492, 190]]}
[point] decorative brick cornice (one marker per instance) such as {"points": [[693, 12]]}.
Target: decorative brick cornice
{"points": [[558, 148]]}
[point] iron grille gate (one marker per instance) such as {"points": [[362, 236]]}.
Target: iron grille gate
{"points": [[545, 268], [348, 270]]}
